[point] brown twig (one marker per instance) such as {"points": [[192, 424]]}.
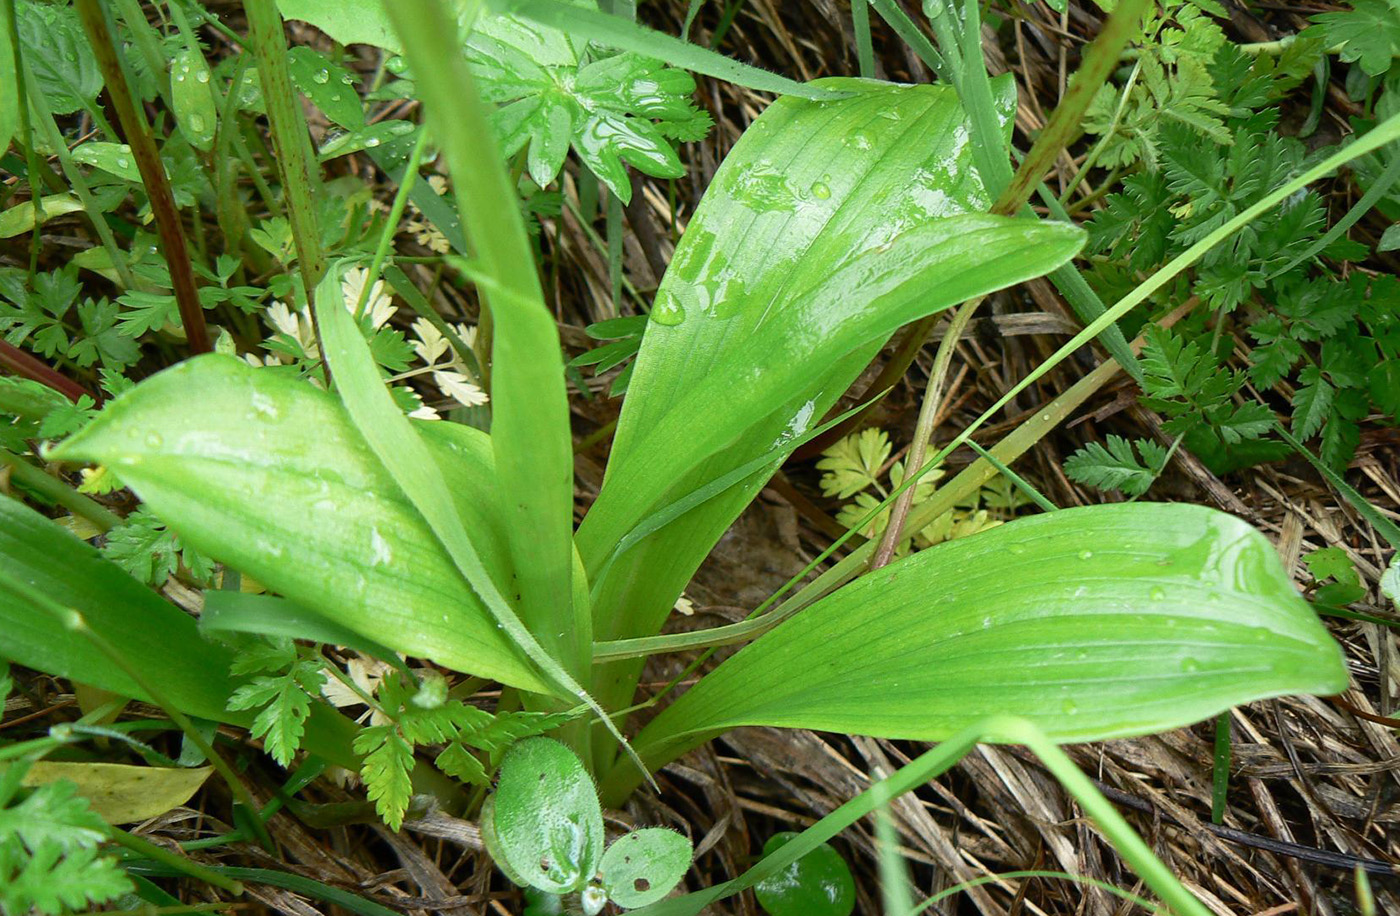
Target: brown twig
{"points": [[143, 149]]}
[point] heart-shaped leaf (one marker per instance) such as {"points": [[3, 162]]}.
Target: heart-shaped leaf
{"points": [[818, 884]]}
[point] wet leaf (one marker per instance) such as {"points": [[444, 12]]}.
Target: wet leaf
{"points": [[1093, 623], [643, 866], [818, 884], [192, 99], [546, 817]]}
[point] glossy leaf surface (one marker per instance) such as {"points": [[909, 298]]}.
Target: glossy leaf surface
{"points": [[1091, 623], [151, 634], [826, 228], [546, 818], [268, 475], [818, 884], [643, 866]]}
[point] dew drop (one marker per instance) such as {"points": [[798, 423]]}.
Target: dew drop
{"points": [[1190, 664], [322, 76], [1069, 707], [372, 142], [821, 190], [668, 312], [1016, 549], [123, 163], [1085, 554], [202, 76], [197, 123], [1157, 593]]}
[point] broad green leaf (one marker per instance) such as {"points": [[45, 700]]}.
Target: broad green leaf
{"points": [[643, 866], [546, 818], [240, 612], [530, 435], [122, 794], [57, 54], [269, 475], [192, 98], [818, 884], [1091, 623], [151, 634], [828, 226], [347, 21]]}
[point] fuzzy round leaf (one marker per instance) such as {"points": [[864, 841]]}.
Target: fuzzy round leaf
{"points": [[548, 827], [818, 884], [643, 866]]}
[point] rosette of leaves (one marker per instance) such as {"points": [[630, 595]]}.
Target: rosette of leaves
{"points": [[557, 93]]}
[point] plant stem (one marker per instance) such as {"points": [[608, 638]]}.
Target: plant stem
{"points": [[300, 183], [143, 150], [22, 364], [49, 487], [186, 866], [1066, 121], [923, 432]]}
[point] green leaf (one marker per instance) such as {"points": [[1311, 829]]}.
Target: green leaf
{"points": [[1092, 623], [388, 763], [9, 101], [269, 476], [54, 48], [1369, 32], [558, 95], [328, 85], [460, 763], [239, 612], [112, 158], [54, 882], [1312, 401], [827, 227], [1115, 467], [818, 884], [546, 817], [284, 702], [347, 21], [854, 463], [192, 98], [643, 866]]}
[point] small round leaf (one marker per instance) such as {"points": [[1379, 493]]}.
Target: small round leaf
{"points": [[818, 884], [643, 866], [548, 828]]}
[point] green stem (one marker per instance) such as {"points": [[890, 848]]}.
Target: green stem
{"points": [[185, 866], [386, 238], [54, 138], [143, 150], [290, 140], [51, 488]]}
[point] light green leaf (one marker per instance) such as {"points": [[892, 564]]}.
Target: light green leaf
{"points": [[20, 218], [386, 771], [122, 794], [151, 634], [112, 158], [643, 866], [546, 818], [328, 85], [828, 226], [192, 98], [347, 21], [1091, 623], [268, 475]]}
